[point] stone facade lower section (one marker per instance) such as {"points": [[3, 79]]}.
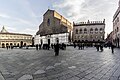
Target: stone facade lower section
{"points": [[52, 39]]}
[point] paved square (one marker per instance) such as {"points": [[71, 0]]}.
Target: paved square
{"points": [[71, 64]]}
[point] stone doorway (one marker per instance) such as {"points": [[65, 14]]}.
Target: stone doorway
{"points": [[3, 45], [21, 44]]}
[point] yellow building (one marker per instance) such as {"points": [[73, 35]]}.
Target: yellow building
{"points": [[14, 39]]}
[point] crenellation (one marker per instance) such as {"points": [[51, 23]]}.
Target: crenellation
{"points": [[90, 31], [90, 22]]}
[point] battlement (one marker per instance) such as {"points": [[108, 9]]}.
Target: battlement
{"points": [[89, 23]]}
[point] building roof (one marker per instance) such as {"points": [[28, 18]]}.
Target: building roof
{"points": [[16, 34], [48, 10], [116, 13], [4, 31]]}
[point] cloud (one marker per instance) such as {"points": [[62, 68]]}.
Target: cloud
{"points": [[8, 28], [4, 15], [82, 10], [28, 31]]}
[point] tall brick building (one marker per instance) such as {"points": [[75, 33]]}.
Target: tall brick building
{"points": [[54, 24]]}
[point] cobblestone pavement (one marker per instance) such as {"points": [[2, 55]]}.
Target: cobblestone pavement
{"points": [[71, 64]]}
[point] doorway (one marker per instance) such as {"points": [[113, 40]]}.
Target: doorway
{"points": [[3, 45], [21, 44]]}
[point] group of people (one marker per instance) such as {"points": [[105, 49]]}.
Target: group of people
{"points": [[99, 47], [81, 46], [56, 47], [38, 47], [9, 47]]}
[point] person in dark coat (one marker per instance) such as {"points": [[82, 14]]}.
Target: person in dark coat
{"points": [[101, 47], [37, 47], [74, 45], [83, 46], [7, 47], [97, 47], [112, 47], [52, 46], [56, 49], [79, 46]]}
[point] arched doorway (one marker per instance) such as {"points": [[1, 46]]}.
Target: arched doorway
{"points": [[11, 44], [21, 44], [14, 44], [18, 45], [7, 44], [3, 45], [24, 44]]}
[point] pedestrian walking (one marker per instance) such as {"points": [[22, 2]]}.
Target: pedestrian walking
{"points": [[56, 49], [7, 47], [39, 46], [79, 46], [101, 47], [112, 47], [83, 46], [97, 47], [74, 45], [52, 46], [36, 46]]}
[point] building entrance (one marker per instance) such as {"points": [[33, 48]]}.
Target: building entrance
{"points": [[3, 45], [21, 44]]}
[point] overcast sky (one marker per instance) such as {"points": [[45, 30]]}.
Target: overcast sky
{"points": [[24, 16]]}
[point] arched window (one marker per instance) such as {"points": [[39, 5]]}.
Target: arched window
{"points": [[101, 30], [48, 22], [91, 30], [85, 30], [76, 31], [80, 31], [91, 36], [96, 30], [117, 29]]}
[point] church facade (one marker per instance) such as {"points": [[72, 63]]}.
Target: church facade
{"points": [[54, 26], [14, 39]]}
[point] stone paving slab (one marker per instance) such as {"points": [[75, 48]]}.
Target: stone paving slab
{"points": [[1, 77], [71, 64]]}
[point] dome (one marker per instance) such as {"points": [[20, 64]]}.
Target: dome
{"points": [[3, 30]]}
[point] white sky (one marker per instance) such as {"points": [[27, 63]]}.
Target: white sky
{"points": [[25, 16], [84, 10]]}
